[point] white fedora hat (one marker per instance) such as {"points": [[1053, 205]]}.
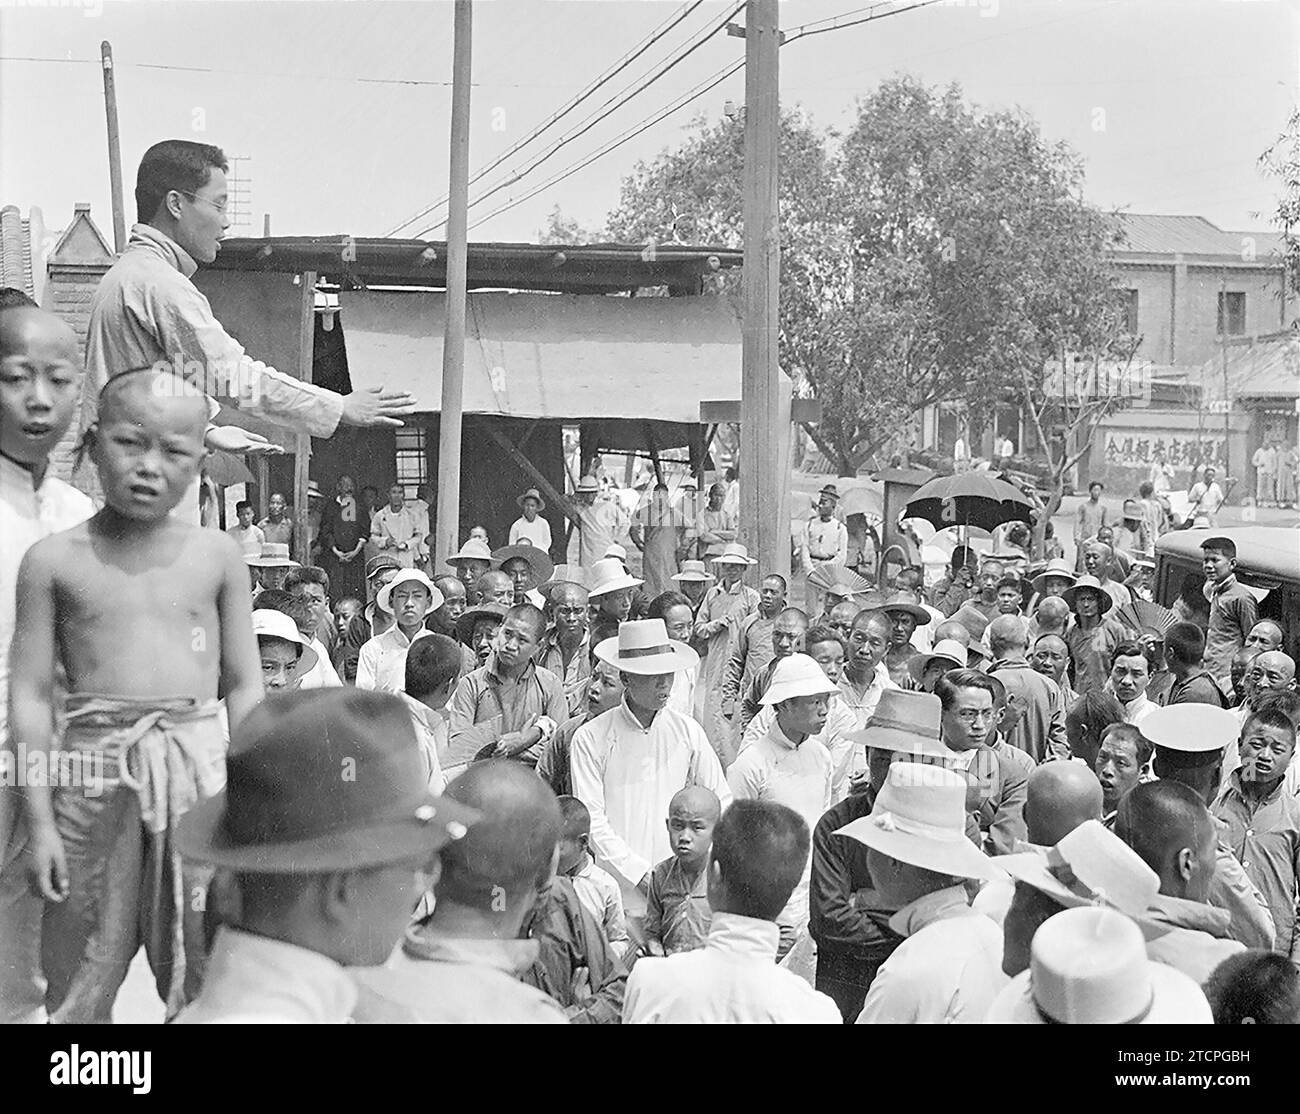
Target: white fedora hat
{"points": [[945, 650], [473, 550], [920, 818], [1192, 728], [643, 647], [1090, 967], [1056, 567], [274, 555], [905, 721], [734, 554], [797, 675], [693, 570], [1089, 866], [408, 576], [608, 575], [276, 624], [616, 551]]}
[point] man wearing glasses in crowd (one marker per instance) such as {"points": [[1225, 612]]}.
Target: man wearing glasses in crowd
{"points": [[147, 311]]}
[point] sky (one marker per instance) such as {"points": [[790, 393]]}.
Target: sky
{"points": [[342, 107]]}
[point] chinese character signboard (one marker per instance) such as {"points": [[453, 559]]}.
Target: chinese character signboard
{"points": [[1133, 450]]}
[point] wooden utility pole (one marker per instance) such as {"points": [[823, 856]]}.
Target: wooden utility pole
{"points": [[447, 525], [761, 483], [302, 441], [114, 146]]}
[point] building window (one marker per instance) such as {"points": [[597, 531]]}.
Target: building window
{"points": [[1232, 313], [1128, 311], [412, 460]]}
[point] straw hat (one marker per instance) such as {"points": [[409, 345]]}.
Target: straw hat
{"points": [[314, 491], [1192, 728], [1089, 866], [797, 675], [1088, 583], [1090, 967], [903, 601], [538, 558], [1132, 509], [408, 576], [274, 555], [276, 624], [920, 818], [587, 485], [643, 647], [905, 721], [567, 574], [1057, 567], [285, 810], [616, 551], [471, 616], [949, 651], [734, 554], [831, 490], [694, 570], [608, 575], [378, 564], [532, 493], [473, 550]]}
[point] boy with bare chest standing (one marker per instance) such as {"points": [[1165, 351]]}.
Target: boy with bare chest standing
{"points": [[149, 618]]}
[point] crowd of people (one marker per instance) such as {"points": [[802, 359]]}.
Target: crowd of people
{"points": [[481, 786]]}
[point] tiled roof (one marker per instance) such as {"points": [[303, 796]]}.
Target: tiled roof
{"points": [[1157, 234], [1267, 369]]}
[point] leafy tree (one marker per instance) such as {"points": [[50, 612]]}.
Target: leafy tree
{"points": [[1282, 161], [937, 253], [566, 230]]}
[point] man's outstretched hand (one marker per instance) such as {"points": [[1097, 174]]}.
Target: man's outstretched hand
{"points": [[232, 439], [375, 406]]}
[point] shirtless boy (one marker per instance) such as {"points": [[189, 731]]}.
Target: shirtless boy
{"points": [[149, 618]]}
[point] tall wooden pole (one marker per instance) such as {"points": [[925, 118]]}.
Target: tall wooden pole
{"points": [[114, 146], [447, 525], [302, 441], [761, 483]]}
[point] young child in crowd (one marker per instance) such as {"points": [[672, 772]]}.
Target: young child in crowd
{"points": [[677, 906], [247, 534], [595, 886], [148, 616]]}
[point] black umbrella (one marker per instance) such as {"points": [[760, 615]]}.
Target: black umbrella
{"points": [[969, 499]]}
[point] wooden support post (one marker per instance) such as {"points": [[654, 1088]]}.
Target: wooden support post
{"points": [[543, 484], [114, 146], [654, 453], [447, 524], [302, 441], [262, 469], [760, 429]]}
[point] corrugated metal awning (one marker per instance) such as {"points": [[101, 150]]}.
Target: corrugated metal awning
{"points": [[560, 356]]}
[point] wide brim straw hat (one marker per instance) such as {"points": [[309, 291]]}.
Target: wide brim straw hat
{"points": [[797, 675], [268, 623], [408, 576], [274, 555], [1089, 966], [693, 570], [537, 558], [906, 721], [1055, 568], [1088, 583], [949, 651], [608, 575], [531, 493], [734, 554], [919, 817], [643, 647]]}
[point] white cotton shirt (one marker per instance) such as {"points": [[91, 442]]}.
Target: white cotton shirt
{"points": [[863, 707], [323, 675], [732, 980], [27, 514], [254, 980], [381, 664], [626, 775], [682, 698], [848, 758], [947, 971], [538, 532], [799, 777]]}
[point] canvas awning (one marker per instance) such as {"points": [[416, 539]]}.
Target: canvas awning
{"points": [[569, 357]]}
